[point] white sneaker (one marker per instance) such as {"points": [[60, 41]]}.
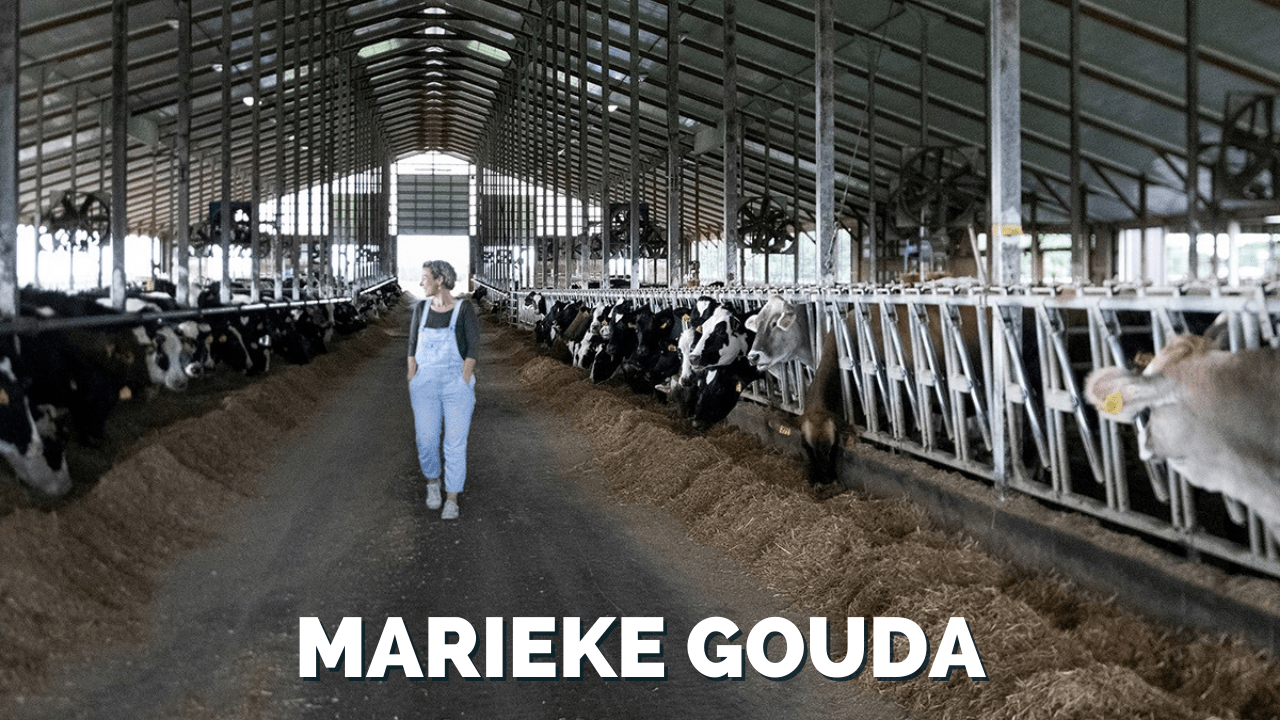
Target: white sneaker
{"points": [[433, 494], [450, 511]]}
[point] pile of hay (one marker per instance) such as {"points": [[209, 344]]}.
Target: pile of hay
{"points": [[82, 574], [1051, 649]]}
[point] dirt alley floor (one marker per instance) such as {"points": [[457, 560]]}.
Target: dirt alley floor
{"points": [[337, 527]]}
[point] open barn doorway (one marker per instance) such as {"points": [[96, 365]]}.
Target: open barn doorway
{"points": [[434, 216], [417, 249]]}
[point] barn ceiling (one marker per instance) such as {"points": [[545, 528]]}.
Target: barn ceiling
{"points": [[471, 78]]}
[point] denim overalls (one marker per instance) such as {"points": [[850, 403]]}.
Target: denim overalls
{"points": [[438, 393]]}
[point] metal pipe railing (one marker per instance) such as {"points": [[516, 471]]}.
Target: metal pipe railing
{"points": [[911, 341]]}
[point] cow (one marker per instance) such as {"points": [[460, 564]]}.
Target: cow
{"points": [[241, 341], [724, 338], [148, 353], [166, 354], [585, 352], [574, 331], [715, 391], [656, 356], [37, 461], [714, 369], [533, 308], [782, 334], [1210, 413], [691, 334], [346, 319], [619, 342]]}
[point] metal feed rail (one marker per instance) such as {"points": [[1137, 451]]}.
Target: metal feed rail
{"points": [[23, 325], [918, 368]]}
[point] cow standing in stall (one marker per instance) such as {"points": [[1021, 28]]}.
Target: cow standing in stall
{"points": [[783, 334], [36, 457], [715, 371], [1211, 414]]}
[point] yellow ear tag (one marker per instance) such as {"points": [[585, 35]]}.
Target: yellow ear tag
{"points": [[685, 318], [784, 430], [1114, 403], [739, 387]]}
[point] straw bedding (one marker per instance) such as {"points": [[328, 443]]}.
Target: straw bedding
{"points": [[1051, 649], [80, 574]]}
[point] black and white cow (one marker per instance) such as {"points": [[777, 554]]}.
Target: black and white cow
{"points": [[37, 459], [139, 355], [532, 308], [692, 324], [657, 356], [715, 391], [1211, 414], [714, 371], [584, 354], [725, 337], [619, 333]]}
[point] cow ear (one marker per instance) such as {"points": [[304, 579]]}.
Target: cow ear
{"points": [[752, 323], [1121, 394], [786, 320]]}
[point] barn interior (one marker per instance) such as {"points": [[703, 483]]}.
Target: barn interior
{"points": [[1134, 123], [984, 200]]}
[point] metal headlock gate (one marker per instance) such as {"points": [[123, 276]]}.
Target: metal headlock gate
{"points": [[918, 368], [29, 325]]}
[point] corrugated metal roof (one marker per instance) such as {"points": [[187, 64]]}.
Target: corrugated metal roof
{"points": [[441, 74]]}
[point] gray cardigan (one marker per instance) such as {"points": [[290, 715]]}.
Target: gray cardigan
{"points": [[467, 329]]}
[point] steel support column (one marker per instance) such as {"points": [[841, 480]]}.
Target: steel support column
{"points": [[732, 142], [39, 211], [605, 137], [255, 192], [1005, 143], [584, 138], [1079, 239], [825, 139], [873, 238], [1005, 148], [277, 269], [633, 111], [10, 79], [1193, 138], [675, 188], [119, 147], [224, 290]]}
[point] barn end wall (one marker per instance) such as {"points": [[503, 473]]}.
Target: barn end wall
{"points": [[1020, 531]]}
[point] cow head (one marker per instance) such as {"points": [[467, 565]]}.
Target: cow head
{"points": [[782, 334], [166, 364], [723, 339]]}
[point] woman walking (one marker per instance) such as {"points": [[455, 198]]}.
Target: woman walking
{"points": [[443, 336]]}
